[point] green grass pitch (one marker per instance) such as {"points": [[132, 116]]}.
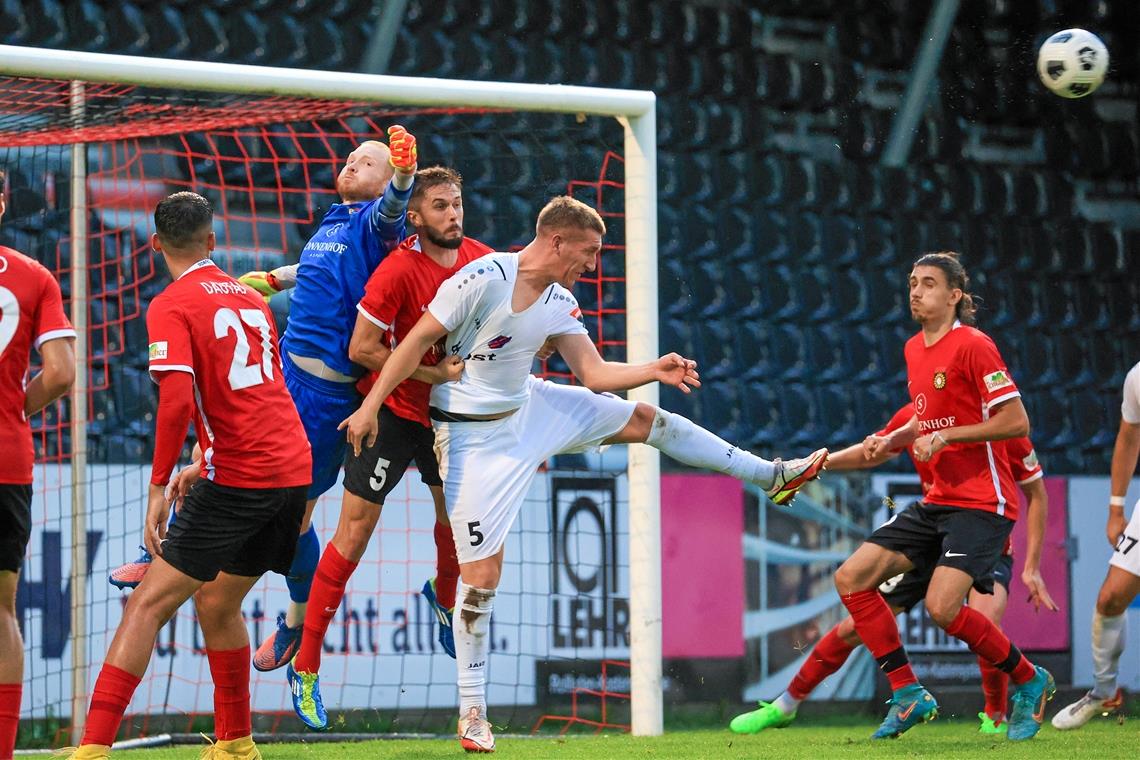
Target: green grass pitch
{"points": [[941, 739]]}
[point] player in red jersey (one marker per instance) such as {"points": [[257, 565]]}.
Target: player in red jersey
{"points": [[214, 356], [394, 300], [965, 401], [904, 591], [31, 315]]}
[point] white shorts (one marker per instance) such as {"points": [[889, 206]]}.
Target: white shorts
{"points": [[487, 467], [1126, 556]]}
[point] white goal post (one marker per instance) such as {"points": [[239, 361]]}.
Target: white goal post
{"points": [[636, 111]]}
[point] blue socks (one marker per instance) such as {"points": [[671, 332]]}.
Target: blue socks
{"points": [[300, 576]]}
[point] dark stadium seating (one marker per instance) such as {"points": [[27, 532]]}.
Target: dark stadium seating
{"points": [[784, 244]]}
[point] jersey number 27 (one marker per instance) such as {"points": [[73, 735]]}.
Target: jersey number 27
{"points": [[243, 375]]}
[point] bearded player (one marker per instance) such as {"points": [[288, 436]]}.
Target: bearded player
{"points": [[904, 591], [31, 316], [394, 300], [965, 403]]}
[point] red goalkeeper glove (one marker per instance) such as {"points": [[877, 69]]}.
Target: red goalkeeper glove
{"points": [[402, 145]]}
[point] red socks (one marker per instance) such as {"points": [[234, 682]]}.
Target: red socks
{"points": [[828, 656], [446, 566], [988, 642], [230, 671], [877, 628], [9, 717], [333, 572], [113, 691], [995, 685]]}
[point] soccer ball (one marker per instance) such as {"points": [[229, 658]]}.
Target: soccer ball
{"points": [[1072, 63]]}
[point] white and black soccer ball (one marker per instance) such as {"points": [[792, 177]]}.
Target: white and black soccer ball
{"points": [[1072, 63]]}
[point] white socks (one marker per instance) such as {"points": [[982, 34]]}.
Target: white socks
{"points": [[472, 625], [786, 703], [691, 444], [1108, 635]]}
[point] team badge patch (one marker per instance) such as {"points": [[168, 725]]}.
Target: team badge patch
{"points": [[939, 380], [158, 350], [996, 380], [1030, 460]]}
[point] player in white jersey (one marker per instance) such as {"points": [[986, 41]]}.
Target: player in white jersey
{"points": [[1121, 586], [498, 423]]}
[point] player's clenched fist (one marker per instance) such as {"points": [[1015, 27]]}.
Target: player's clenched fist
{"points": [[402, 145]]}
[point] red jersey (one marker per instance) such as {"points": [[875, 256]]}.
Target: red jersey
{"points": [[396, 296], [31, 313], [957, 381], [208, 324]]}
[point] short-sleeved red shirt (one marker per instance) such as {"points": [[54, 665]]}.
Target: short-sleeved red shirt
{"points": [[208, 324], [958, 381], [31, 313], [396, 296]]}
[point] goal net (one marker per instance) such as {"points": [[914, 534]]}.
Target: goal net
{"points": [[267, 163]]}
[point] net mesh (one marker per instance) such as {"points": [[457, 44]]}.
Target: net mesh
{"points": [[268, 165]]}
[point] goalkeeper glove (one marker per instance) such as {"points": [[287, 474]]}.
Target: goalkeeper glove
{"points": [[264, 283], [402, 145]]}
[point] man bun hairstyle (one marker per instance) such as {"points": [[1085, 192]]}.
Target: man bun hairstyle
{"points": [[433, 176], [183, 219], [565, 212], [956, 277]]}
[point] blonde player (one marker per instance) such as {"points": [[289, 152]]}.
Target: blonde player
{"points": [[498, 423]]}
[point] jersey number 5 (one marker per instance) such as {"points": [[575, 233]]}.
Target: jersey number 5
{"points": [[9, 317], [241, 375]]}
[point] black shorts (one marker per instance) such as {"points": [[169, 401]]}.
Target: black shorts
{"points": [[15, 525], [239, 531], [378, 469], [908, 589], [931, 535]]}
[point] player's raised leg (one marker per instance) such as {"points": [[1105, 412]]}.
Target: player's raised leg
{"points": [[691, 444], [1109, 634]]}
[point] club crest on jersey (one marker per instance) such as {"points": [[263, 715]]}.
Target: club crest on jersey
{"points": [[499, 342], [996, 380], [158, 350], [939, 379], [1030, 460]]}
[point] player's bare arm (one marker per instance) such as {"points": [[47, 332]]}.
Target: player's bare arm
{"points": [[1124, 458], [361, 426], [1008, 420], [56, 377], [1036, 516], [367, 350], [599, 375], [855, 456]]}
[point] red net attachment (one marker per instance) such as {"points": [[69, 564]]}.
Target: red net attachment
{"points": [[593, 709]]}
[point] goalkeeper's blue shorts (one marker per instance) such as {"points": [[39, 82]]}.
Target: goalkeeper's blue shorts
{"points": [[322, 405]]}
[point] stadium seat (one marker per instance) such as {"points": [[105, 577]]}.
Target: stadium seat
{"points": [[841, 242], [15, 29], [207, 35], [878, 241], [799, 417], [840, 425], [88, 17], [48, 25]]}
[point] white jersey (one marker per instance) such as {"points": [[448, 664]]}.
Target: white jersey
{"points": [[1130, 406], [496, 344]]}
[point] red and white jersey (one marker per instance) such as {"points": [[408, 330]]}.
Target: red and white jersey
{"points": [[31, 313], [208, 324], [1025, 467], [958, 381], [396, 296]]}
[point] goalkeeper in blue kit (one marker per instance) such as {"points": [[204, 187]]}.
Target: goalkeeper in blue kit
{"points": [[355, 235]]}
